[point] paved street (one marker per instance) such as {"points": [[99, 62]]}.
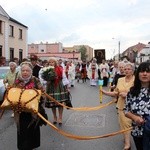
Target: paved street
{"points": [[83, 123]]}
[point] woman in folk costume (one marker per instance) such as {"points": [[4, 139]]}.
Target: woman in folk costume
{"points": [[64, 77], [57, 90], [28, 125], [93, 73], [70, 73], [77, 70], [104, 72], [83, 69]]}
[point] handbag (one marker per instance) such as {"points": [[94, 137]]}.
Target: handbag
{"points": [[50, 104], [146, 133], [68, 102], [147, 125]]}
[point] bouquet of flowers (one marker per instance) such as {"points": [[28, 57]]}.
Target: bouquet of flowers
{"points": [[48, 73]]}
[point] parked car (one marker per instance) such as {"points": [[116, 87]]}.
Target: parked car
{"points": [[3, 71], [2, 90]]}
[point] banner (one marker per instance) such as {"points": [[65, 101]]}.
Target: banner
{"points": [[99, 55]]}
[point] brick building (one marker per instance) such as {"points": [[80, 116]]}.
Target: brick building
{"points": [[46, 50]]}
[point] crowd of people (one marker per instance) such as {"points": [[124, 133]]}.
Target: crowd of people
{"points": [[130, 86]]}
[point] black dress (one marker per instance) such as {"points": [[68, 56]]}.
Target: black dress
{"points": [[28, 133], [28, 128]]}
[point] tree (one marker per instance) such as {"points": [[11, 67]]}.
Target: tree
{"points": [[83, 51]]}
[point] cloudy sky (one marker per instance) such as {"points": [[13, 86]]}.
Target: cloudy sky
{"points": [[97, 23]]}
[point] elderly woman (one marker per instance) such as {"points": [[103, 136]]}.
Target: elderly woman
{"points": [[123, 86], [28, 127], [138, 106], [119, 74], [57, 90], [11, 74]]}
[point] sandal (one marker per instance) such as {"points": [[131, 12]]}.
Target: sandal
{"points": [[129, 148], [55, 121], [60, 122]]}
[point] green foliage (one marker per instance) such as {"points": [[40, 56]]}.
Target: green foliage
{"points": [[49, 74], [83, 51]]}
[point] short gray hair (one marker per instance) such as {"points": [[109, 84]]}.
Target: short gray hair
{"points": [[12, 63], [27, 63], [121, 63], [131, 64]]}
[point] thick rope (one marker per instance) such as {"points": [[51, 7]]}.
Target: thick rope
{"points": [[72, 136], [1, 113], [77, 137], [81, 108]]}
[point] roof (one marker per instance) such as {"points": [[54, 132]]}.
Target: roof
{"points": [[136, 48], [4, 13], [15, 21]]}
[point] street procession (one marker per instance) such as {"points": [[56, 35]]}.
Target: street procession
{"points": [[55, 97], [34, 88]]}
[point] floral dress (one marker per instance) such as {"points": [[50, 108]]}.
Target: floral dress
{"points": [[138, 105], [56, 89]]}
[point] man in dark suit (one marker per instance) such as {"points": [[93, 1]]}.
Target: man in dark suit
{"points": [[36, 67]]}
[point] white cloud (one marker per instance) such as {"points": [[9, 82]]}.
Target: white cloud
{"points": [[132, 2], [91, 22]]}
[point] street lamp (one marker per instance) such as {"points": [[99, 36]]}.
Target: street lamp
{"points": [[118, 49]]}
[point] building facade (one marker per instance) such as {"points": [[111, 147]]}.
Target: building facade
{"points": [[13, 37], [144, 54], [133, 51], [76, 48], [46, 50]]}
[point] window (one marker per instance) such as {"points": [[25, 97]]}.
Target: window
{"points": [[42, 50], [20, 55], [0, 26], [0, 50], [11, 54], [11, 31], [20, 33]]}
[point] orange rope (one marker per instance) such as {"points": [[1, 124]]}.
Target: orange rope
{"points": [[81, 108], [1, 113], [76, 137]]}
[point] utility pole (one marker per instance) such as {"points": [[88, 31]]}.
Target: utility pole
{"points": [[119, 50]]}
